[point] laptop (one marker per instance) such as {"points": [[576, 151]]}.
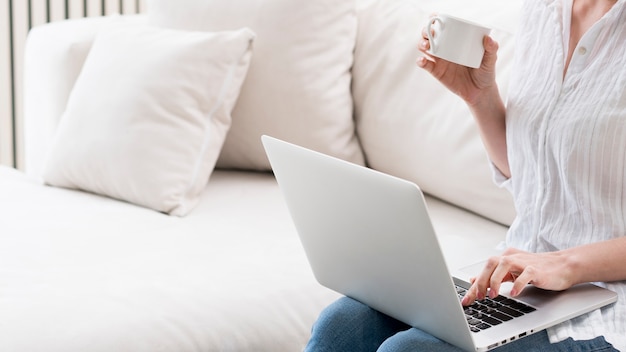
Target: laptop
{"points": [[368, 235]]}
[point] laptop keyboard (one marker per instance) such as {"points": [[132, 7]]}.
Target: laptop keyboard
{"points": [[489, 312]]}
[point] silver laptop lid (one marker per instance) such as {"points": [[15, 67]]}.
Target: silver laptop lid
{"points": [[351, 220]]}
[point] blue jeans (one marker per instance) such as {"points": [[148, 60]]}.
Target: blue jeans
{"points": [[348, 325]]}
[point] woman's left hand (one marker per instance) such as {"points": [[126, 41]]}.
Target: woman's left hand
{"points": [[549, 271]]}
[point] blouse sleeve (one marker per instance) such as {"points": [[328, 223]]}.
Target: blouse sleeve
{"points": [[499, 179]]}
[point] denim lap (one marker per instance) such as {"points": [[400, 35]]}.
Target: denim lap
{"points": [[417, 340], [348, 325]]}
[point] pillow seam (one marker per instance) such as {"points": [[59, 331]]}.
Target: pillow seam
{"points": [[206, 140]]}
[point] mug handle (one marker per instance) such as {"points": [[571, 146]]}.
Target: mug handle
{"points": [[430, 32]]}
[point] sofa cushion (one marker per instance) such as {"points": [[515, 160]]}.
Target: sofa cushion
{"points": [[408, 123], [298, 85], [148, 114]]}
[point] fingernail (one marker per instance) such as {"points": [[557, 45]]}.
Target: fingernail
{"points": [[513, 293]]}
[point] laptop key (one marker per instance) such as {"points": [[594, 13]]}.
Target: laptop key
{"points": [[510, 311], [474, 321], [492, 303], [522, 307], [501, 316], [483, 326], [491, 320], [487, 309]]}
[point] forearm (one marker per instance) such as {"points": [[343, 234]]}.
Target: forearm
{"points": [[489, 111], [598, 262]]}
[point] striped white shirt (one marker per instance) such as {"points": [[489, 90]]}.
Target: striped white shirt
{"points": [[566, 141]]}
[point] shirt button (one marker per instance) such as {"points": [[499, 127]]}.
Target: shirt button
{"points": [[582, 50]]}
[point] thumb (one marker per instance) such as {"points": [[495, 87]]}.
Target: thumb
{"points": [[491, 53]]}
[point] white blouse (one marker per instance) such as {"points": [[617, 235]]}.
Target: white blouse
{"points": [[566, 141]]}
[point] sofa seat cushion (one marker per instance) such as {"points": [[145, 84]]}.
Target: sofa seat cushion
{"points": [[81, 272]]}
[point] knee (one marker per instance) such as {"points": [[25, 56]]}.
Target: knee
{"points": [[342, 313], [330, 331], [348, 325], [415, 340]]}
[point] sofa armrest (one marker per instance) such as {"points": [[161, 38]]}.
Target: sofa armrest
{"points": [[53, 58]]}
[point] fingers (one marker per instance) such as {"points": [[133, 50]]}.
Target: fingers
{"points": [[480, 284], [426, 61], [496, 271], [476, 292], [424, 45], [425, 33], [525, 277], [506, 270]]}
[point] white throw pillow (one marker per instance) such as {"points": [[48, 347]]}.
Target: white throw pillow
{"points": [[148, 114], [298, 85], [411, 126]]}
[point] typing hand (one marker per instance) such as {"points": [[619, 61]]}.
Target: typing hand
{"points": [[544, 270]]}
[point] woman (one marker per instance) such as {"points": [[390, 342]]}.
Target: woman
{"points": [[559, 146]]}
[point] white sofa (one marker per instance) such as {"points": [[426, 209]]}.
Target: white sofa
{"points": [[85, 272]]}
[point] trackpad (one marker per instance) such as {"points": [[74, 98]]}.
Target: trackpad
{"points": [[473, 270]]}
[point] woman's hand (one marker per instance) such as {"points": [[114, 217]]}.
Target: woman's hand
{"points": [[478, 88], [595, 262], [550, 271], [467, 83]]}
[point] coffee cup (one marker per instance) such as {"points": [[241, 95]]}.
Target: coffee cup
{"points": [[456, 40]]}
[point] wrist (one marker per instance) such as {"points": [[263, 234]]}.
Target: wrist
{"points": [[485, 99], [572, 267]]}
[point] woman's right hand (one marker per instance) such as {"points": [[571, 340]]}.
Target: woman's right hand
{"points": [[478, 88], [468, 83]]}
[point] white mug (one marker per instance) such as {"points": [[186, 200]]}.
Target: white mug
{"points": [[456, 40]]}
